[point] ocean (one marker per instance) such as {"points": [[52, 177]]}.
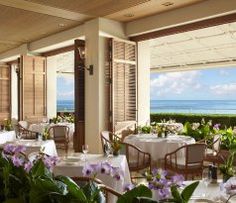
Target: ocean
{"points": [[65, 105], [175, 106], [194, 106]]}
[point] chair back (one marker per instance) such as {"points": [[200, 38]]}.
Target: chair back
{"points": [[105, 138], [59, 132], [23, 124], [195, 153], [216, 143]]}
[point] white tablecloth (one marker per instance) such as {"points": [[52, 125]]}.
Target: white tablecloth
{"points": [[7, 136], [48, 146], [39, 127], [74, 168], [158, 147]]}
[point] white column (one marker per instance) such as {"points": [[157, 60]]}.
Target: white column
{"points": [[51, 87], [143, 83], [14, 92], [96, 102]]}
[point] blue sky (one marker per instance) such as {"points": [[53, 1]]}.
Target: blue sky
{"points": [[209, 84], [65, 87]]}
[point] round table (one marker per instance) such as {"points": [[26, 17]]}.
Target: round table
{"points": [[158, 147]]}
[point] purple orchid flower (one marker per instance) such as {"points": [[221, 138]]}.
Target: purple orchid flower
{"points": [[19, 149], [28, 166], [117, 173], [87, 170], [9, 149], [50, 161], [128, 186], [177, 180], [106, 168], [216, 126], [17, 161]]}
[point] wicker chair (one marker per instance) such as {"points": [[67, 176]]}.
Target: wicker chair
{"points": [[213, 152], [190, 164], [137, 159], [22, 129], [105, 189], [60, 134]]}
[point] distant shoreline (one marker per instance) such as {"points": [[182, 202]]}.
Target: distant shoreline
{"points": [[174, 106]]}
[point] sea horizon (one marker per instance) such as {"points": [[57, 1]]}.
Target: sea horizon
{"points": [[209, 106]]}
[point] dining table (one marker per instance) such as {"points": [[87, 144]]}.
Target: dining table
{"points": [[158, 147], [34, 146], [7, 136], [72, 166]]}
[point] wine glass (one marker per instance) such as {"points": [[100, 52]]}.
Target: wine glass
{"points": [[206, 179], [85, 150]]}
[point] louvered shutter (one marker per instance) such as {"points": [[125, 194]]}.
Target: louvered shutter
{"points": [[123, 91], [5, 98], [33, 88]]}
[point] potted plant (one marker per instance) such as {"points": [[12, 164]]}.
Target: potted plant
{"points": [[46, 134], [8, 125], [116, 146], [228, 169]]}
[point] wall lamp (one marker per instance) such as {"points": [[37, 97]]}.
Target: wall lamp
{"points": [[89, 69], [82, 56]]}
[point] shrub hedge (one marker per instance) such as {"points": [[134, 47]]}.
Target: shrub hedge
{"points": [[224, 120]]}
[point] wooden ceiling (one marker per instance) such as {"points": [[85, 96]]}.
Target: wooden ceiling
{"points": [[23, 21]]}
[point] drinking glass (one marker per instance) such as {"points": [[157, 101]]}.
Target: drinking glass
{"points": [[85, 150], [206, 179]]}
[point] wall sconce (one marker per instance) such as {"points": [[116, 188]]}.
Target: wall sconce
{"points": [[90, 69], [82, 56]]}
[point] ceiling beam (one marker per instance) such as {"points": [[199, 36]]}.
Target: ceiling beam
{"points": [[182, 16], [43, 9], [223, 64]]}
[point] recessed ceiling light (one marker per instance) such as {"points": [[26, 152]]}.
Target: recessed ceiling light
{"points": [[129, 15], [168, 3], [61, 25]]}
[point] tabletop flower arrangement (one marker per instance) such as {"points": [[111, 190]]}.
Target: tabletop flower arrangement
{"points": [[7, 125], [167, 188]]}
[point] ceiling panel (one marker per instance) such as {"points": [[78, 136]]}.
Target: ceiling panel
{"points": [[5, 47], [209, 45], [150, 8], [20, 26], [92, 7]]}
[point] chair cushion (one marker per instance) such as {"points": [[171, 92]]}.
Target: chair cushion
{"points": [[181, 164]]}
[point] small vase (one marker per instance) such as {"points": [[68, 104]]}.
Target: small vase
{"points": [[116, 153]]}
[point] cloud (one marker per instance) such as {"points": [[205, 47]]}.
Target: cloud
{"points": [[175, 83], [224, 89], [223, 73], [68, 79], [66, 94]]}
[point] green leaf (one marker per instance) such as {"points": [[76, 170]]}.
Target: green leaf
{"points": [[93, 192], [176, 195], [39, 169], [74, 191], [143, 200], [188, 191], [140, 191]]}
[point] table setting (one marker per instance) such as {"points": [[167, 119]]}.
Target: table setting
{"points": [[158, 147]]}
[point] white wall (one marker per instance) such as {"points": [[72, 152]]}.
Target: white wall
{"points": [[51, 87], [143, 83], [14, 92]]}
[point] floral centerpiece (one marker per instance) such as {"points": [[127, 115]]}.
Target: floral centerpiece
{"points": [[198, 131], [46, 134], [228, 168], [56, 119], [116, 146], [7, 125]]}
